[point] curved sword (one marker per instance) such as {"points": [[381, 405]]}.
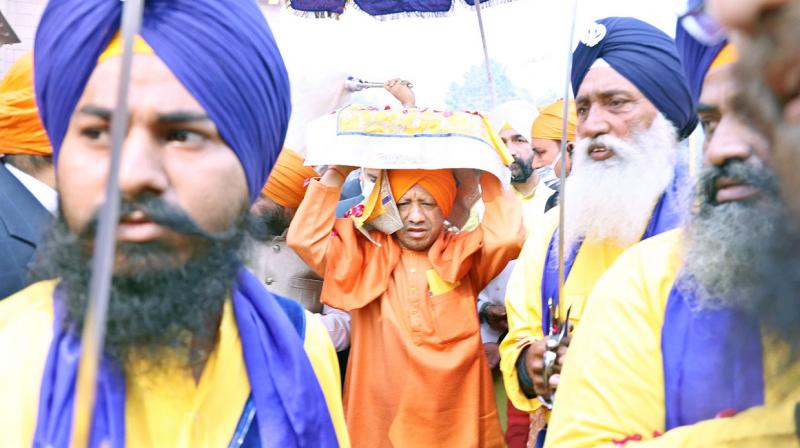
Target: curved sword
{"points": [[94, 329], [558, 329]]}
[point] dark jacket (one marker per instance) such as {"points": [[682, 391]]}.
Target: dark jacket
{"points": [[23, 220]]}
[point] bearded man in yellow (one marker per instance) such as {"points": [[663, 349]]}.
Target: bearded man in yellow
{"points": [[698, 362], [197, 351], [626, 184]]}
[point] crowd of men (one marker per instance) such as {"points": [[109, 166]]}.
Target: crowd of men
{"points": [[250, 306]]}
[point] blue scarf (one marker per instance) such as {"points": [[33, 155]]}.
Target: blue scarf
{"points": [[712, 361], [668, 214], [290, 407]]}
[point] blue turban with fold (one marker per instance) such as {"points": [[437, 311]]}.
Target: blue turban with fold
{"points": [[222, 51], [696, 57], [645, 56]]}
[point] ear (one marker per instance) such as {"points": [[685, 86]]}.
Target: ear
{"points": [[570, 147]]}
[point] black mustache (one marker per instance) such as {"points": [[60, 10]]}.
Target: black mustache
{"points": [[164, 214]]}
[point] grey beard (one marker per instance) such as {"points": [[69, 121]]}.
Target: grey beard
{"points": [[723, 240]]}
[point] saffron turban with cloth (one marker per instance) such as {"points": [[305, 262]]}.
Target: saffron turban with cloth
{"points": [[699, 58], [644, 55], [222, 52], [551, 119], [225, 56], [21, 131], [287, 182], [439, 183]]}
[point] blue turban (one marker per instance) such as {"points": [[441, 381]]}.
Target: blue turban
{"points": [[222, 52], [646, 57], [696, 57]]}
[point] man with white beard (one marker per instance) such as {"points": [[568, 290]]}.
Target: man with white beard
{"points": [[626, 184], [689, 342]]}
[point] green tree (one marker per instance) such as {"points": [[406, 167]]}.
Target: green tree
{"points": [[473, 92]]}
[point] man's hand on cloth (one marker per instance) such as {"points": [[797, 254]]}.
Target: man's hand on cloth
{"points": [[335, 175], [401, 90]]}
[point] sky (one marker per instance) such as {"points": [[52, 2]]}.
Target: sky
{"points": [[529, 37]]}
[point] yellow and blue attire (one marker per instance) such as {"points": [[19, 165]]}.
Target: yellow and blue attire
{"points": [[161, 409], [614, 387]]}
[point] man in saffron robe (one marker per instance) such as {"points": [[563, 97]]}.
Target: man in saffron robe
{"points": [[626, 184], [674, 349], [197, 351], [417, 375]]}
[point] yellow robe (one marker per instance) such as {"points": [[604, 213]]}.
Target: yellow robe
{"points": [[524, 298], [533, 205], [612, 386], [168, 410]]}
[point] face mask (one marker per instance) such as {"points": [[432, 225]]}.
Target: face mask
{"points": [[366, 187], [547, 174]]}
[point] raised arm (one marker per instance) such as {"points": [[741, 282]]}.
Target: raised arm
{"points": [[503, 232], [312, 226]]}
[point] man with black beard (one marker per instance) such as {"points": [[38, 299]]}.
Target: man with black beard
{"points": [[626, 184], [513, 122], [198, 352], [673, 350]]}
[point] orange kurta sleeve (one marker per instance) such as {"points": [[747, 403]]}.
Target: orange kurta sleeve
{"points": [[359, 271], [503, 232], [310, 231]]}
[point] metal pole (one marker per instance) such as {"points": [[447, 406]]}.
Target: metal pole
{"points": [[93, 337], [561, 196], [490, 78]]}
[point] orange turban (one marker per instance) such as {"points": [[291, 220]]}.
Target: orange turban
{"points": [[439, 183], [287, 182], [549, 122], [21, 132]]}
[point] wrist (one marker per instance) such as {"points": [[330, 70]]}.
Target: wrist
{"points": [[525, 381]]}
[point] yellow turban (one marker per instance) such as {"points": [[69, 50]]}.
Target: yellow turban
{"points": [[728, 55], [548, 124], [287, 182], [439, 183], [21, 131]]}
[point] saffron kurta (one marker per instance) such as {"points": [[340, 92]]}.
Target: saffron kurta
{"points": [[612, 389], [417, 375], [170, 410]]}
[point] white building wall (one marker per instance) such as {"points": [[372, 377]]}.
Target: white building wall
{"points": [[23, 15]]}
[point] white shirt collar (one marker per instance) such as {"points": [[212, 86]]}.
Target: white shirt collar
{"points": [[47, 196]]}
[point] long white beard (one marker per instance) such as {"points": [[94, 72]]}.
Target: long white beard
{"points": [[612, 200]]}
